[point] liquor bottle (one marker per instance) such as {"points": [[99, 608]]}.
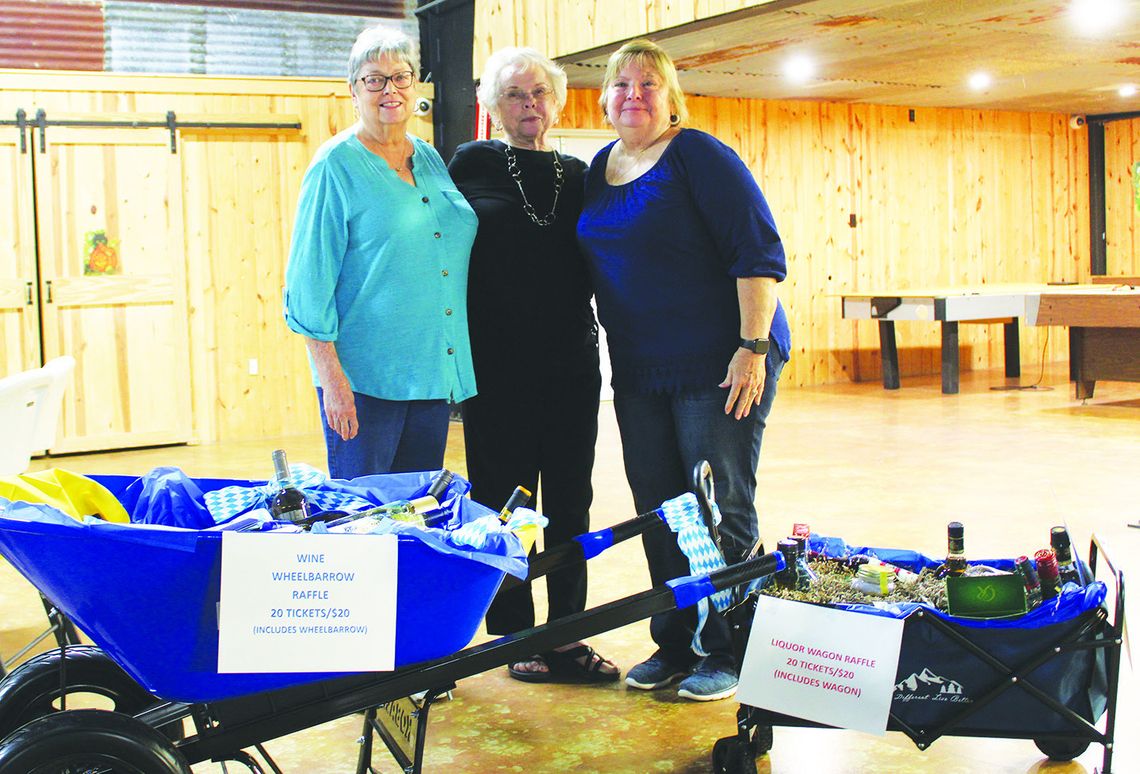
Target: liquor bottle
{"points": [[800, 529], [518, 498], [955, 563], [805, 575], [288, 503], [1062, 548], [1032, 582], [788, 578], [418, 510], [1048, 573]]}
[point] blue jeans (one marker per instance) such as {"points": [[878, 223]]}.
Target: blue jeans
{"points": [[663, 437], [395, 436]]}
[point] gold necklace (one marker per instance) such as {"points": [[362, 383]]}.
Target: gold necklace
{"points": [[637, 157]]}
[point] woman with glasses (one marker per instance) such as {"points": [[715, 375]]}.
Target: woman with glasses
{"points": [[685, 258], [534, 340], [377, 276]]}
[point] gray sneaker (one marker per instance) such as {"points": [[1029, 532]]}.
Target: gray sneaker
{"points": [[653, 673], [708, 684]]}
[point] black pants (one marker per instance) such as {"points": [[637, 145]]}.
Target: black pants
{"points": [[537, 431]]}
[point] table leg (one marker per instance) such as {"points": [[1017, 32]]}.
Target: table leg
{"points": [[949, 358], [1012, 349], [889, 351], [1084, 387]]}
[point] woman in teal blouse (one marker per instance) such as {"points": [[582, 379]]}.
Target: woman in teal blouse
{"points": [[377, 276]]}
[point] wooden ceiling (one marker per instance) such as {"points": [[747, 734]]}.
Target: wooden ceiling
{"points": [[904, 52]]}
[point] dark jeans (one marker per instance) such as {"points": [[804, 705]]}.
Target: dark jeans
{"points": [[663, 437], [396, 436], [537, 432]]}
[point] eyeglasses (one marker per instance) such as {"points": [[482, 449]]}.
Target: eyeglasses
{"points": [[377, 82], [520, 97]]}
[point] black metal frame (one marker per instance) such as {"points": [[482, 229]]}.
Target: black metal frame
{"points": [[1092, 630]]}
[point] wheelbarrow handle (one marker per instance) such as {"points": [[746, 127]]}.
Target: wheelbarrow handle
{"points": [[586, 546], [693, 588]]}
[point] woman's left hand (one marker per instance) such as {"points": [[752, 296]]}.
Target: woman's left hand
{"points": [[744, 381]]}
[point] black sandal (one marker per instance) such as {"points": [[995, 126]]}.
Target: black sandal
{"points": [[528, 676], [580, 664]]}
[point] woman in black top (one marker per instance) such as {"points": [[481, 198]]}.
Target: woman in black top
{"points": [[533, 340]]}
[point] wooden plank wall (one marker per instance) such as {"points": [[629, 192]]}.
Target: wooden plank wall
{"points": [[566, 26], [1122, 201], [240, 193], [954, 197]]}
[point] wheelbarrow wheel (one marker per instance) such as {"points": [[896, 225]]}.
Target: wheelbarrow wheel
{"points": [[89, 740], [1061, 749], [732, 755], [33, 689]]}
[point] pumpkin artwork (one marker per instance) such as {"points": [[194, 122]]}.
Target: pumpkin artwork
{"points": [[102, 255]]}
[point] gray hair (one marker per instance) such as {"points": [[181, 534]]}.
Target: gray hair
{"points": [[377, 42], [521, 59]]}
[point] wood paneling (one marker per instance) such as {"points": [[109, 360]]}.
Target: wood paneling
{"points": [[1122, 197], [239, 191], [954, 197]]}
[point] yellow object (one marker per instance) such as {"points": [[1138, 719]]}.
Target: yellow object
{"points": [[527, 534], [68, 492]]}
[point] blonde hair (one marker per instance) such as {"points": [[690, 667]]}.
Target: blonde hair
{"points": [[646, 54]]}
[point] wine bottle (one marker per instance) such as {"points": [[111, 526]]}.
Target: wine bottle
{"points": [[805, 576], [788, 578], [955, 564], [416, 510], [288, 503], [519, 498], [1062, 548], [1048, 573], [1032, 582]]}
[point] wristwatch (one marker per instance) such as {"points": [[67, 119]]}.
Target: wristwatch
{"points": [[758, 346]]}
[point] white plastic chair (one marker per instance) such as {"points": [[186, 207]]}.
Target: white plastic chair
{"points": [[30, 404]]}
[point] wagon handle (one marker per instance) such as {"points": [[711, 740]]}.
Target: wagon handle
{"points": [[693, 588]]}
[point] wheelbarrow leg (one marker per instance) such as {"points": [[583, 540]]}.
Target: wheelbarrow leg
{"points": [[402, 725]]}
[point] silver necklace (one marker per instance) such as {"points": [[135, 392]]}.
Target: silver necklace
{"points": [[528, 208]]}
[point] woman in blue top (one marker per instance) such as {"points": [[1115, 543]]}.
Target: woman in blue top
{"points": [[377, 276], [685, 258]]}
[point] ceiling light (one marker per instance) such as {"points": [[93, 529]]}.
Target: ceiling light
{"points": [[1094, 17], [799, 69], [1127, 90], [980, 81]]}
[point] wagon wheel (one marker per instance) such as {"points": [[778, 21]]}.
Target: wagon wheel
{"points": [[89, 740], [762, 740], [1061, 749], [33, 690], [731, 755]]}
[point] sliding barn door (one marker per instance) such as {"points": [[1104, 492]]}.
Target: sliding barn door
{"points": [[112, 284], [19, 302]]}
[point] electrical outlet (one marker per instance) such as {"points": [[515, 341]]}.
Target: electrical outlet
{"points": [[253, 366]]}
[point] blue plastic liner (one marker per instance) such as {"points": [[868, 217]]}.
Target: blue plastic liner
{"points": [[147, 594], [938, 676]]}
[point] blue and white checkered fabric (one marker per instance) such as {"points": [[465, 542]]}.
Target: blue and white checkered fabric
{"points": [[474, 533], [230, 501], [683, 515]]}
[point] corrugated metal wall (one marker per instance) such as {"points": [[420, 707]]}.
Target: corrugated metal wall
{"points": [[259, 38]]}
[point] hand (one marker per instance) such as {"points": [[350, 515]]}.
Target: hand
{"points": [[340, 410], [745, 382]]}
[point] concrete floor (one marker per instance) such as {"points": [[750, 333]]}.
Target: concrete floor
{"points": [[872, 466]]}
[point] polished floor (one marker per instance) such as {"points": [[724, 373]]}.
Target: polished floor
{"points": [[872, 466]]}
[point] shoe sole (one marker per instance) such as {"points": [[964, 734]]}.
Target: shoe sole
{"points": [[654, 686], [684, 693]]}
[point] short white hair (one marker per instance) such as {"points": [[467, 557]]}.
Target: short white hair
{"points": [[376, 43], [519, 59]]}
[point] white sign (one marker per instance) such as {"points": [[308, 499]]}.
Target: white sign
{"points": [[817, 663], [307, 603]]}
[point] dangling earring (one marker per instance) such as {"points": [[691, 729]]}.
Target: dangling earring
{"points": [[674, 119]]}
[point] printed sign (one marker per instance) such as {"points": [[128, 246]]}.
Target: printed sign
{"points": [[830, 666], [307, 603]]}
